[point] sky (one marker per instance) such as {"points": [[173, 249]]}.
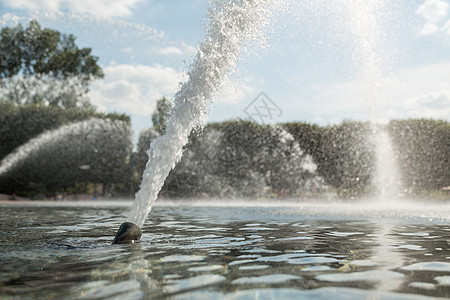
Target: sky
{"points": [[323, 61]]}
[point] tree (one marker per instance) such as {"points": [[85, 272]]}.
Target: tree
{"points": [[141, 156], [43, 66], [161, 114], [34, 51]]}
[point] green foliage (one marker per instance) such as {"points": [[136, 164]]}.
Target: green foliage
{"points": [[42, 66], [347, 159], [240, 158], [18, 124], [243, 158], [114, 116], [343, 153], [161, 115], [234, 158], [309, 136], [141, 156], [422, 148], [36, 51]]}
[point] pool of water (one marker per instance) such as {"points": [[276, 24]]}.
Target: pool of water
{"points": [[63, 250]]}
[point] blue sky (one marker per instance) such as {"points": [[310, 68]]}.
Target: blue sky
{"points": [[312, 66]]}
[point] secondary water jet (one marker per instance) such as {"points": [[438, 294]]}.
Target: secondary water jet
{"points": [[364, 25], [231, 25], [68, 135]]}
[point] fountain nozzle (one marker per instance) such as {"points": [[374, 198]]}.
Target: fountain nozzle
{"points": [[128, 233]]}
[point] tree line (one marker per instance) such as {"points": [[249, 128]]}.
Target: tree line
{"points": [[86, 147], [229, 159], [244, 159]]}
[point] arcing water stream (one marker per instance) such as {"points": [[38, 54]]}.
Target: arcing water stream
{"points": [[48, 139]]}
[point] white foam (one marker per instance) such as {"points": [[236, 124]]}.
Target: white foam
{"points": [[436, 266], [274, 278], [422, 285], [374, 275], [443, 280]]}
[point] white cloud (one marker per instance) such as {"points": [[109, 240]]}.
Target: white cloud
{"points": [[50, 5], [430, 105], [103, 8], [429, 28], [170, 50], [446, 27], [419, 92], [433, 12], [438, 100], [134, 89], [100, 8], [127, 50], [182, 49]]}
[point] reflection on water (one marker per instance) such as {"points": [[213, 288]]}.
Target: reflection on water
{"points": [[210, 252]]}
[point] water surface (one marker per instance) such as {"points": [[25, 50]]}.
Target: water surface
{"points": [[54, 250]]}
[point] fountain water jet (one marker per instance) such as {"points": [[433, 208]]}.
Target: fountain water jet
{"points": [[231, 24], [365, 26], [386, 177]]}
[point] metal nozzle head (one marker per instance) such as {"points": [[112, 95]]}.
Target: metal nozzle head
{"points": [[128, 233]]}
